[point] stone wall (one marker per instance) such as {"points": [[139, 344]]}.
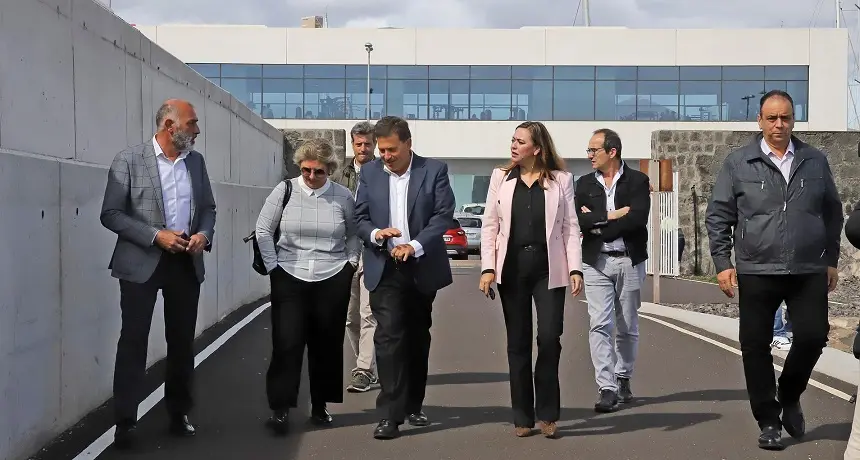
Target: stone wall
{"points": [[293, 138], [698, 157]]}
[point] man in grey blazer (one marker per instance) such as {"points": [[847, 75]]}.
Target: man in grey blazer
{"points": [[405, 204], [159, 202]]}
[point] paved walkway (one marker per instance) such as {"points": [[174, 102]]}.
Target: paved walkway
{"points": [[691, 402]]}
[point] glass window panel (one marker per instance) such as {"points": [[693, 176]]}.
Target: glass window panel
{"points": [[282, 71], [573, 100], [459, 94], [740, 100], [531, 72], [449, 72], [325, 99], [574, 72], [356, 95], [532, 100], [616, 73], [216, 81], [248, 91], [360, 71], [786, 72], [283, 94], [207, 70], [701, 73], [743, 72], [490, 72], [657, 100], [407, 99], [440, 107], [325, 71], [658, 73], [799, 91], [407, 72], [700, 100], [241, 70], [615, 100], [774, 84], [490, 100]]}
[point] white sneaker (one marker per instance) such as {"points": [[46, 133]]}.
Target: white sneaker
{"points": [[781, 343]]}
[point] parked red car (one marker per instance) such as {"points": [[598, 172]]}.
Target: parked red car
{"points": [[455, 242]]}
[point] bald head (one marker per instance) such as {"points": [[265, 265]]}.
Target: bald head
{"points": [[176, 122]]}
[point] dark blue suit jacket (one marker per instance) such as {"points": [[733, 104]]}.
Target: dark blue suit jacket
{"points": [[430, 204]]}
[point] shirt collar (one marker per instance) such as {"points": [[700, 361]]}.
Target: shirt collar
{"points": [[313, 192], [356, 165], [408, 169], [160, 153], [789, 152], [599, 175]]}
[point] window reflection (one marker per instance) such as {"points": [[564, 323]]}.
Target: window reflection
{"points": [[455, 92]]}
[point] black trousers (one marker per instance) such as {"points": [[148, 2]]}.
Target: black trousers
{"points": [[526, 277], [180, 288], [402, 340], [806, 301], [311, 314]]}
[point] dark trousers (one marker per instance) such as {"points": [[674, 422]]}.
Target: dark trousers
{"points": [[311, 314], [806, 301], [180, 288], [402, 340], [526, 277]]}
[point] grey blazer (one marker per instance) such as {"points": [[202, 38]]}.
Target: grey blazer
{"points": [[133, 208]]}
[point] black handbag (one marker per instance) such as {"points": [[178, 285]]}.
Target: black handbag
{"points": [[257, 263]]}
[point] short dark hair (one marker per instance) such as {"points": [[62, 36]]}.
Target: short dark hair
{"points": [[776, 93], [391, 125], [611, 140]]}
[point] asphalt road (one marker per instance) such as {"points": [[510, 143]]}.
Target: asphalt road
{"points": [[690, 402]]}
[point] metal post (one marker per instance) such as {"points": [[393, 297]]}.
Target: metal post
{"points": [[654, 178], [587, 14], [369, 47], [838, 12]]}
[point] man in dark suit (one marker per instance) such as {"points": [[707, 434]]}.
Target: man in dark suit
{"points": [[159, 202], [405, 204], [613, 205]]}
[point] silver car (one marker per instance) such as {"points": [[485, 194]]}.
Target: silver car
{"points": [[471, 224]]}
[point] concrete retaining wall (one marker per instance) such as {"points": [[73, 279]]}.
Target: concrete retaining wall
{"points": [[77, 85]]}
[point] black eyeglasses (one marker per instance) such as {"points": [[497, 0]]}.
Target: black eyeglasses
{"points": [[318, 172]]}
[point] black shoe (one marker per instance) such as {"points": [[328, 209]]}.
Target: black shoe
{"points": [[625, 394], [320, 415], [770, 438], [793, 421], [608, 402], [279, 422], [125, 436], [180, 426], [418, 419], [386, 430]]}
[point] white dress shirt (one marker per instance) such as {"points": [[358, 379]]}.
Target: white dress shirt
{"points": [[175, 189], [398, 188], [783, 164], [618, 243]]}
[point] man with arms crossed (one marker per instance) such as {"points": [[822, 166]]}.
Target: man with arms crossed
{"points": [[775, 203], [159, 202], [405, 204], [360, 323], [613, 208]]}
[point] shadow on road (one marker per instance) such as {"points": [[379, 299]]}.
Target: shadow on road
{"points": [[467, 378]]}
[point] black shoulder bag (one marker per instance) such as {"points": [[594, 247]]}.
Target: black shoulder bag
{"points": [[257, 264]]}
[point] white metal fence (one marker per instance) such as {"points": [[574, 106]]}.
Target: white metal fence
{"points": [[668, 256]]}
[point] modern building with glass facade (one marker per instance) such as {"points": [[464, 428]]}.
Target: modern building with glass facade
{"points": [[465, 90]]}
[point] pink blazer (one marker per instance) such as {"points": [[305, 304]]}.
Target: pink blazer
{"points": [[562, 227]]}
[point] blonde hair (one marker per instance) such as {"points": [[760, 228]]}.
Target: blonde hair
{"points": [[317, 150]]}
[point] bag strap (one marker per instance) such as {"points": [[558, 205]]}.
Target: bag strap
{"points": [[288, 190]]}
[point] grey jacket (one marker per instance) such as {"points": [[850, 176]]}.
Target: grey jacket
{"points": [[775, 228], [133, 208]]}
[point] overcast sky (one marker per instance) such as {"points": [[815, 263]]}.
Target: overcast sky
{"points": [[491, 13]]}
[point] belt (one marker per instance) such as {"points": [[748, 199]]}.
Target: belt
{"points": [[533, 247], [616, 253]]}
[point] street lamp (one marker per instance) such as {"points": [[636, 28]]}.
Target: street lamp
{"points": [[369, 47]]}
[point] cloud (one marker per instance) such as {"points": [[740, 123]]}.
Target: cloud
{"points": [[489, 13]]}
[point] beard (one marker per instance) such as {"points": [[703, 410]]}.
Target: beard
{"points": [[182, 141]]}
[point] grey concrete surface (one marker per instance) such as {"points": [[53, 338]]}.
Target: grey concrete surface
{"points": [[690, 402]]}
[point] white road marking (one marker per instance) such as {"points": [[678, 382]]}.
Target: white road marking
{"points": [[105, 440]]}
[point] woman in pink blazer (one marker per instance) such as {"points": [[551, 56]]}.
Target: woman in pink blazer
{"points": [[530, 235]]}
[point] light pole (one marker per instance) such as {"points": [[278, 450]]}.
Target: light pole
{"points": [[369, 47]]}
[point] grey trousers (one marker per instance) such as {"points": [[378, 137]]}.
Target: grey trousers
{"points": [[360, 323], [612, 289]]}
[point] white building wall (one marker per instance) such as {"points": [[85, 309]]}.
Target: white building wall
{"points": [[77, 85]]}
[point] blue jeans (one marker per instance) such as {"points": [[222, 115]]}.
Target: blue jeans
{"points": [[781, 328]]}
